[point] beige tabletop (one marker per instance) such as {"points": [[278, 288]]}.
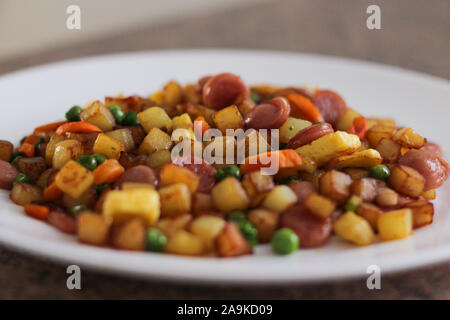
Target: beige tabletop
{"points": [[414, 35]]}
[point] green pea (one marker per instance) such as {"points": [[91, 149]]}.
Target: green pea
{"points": [[318, 122], [22, 178], [117, 112], [353, 203], [99, 158], [156, 240], [255, 97], [101, 187], [380, 172], [88, 162], [249, 231], [289, 179], [285, 241], [77, 209], [74, 113], [131, 119], [228, 171], [237, 216]]}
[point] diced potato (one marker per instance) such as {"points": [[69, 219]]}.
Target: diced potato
{"points": [[356, 173], [386, 197], [202, 202], [370, 212], [120, 205], [422, 213], [385, 122], [229, 195], [6, 150], [347, 119], [130, 236], [158, 159], [124, 136], [32, 167], [175, 200], [389, 150], [308, 165], [87, 199], [93, 229], [378, 132], [265, 221], [361, 159], [172, 174], [279, 198], [335, 185], [228, 118], [330, 146], [137, 185], [256, 186], [178, 135], [51, 146], [155, 117], [65, 151], [23, 193], [404, 150], [46, 178], [319, 206], [97, 114], [195, 110], [156, 140], [108, 146], [407, 181], [429, 194], [207, 228], [394, 225], [74, 179], [231, 243], [169, 226], [157, 96], [365, 188], [408, 138], [264, 90], [172, 93], [186, 244], [191, 94], [291, 127], [354, 228], [313, 177], [182, 122]]}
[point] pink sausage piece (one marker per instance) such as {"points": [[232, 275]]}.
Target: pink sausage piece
{"points": [[270, 114], [203, 170], [302, 189], [7, 174], [222, 90], [138, 174], [309, 134], [330, 104]]}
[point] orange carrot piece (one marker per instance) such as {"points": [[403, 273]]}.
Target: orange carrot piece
{"points": [[27, 149], [359, 127], [49, 127], [32, 139], [37, 211], [109, 171], [77, 126], [204, 124], [52, 192], [302, 107], [287, 158]]}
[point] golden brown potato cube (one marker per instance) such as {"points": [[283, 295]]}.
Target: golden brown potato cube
{"points": [[23, 193], [74, 179], [228, 118], [347, 119], [386, 197], [335, 185], [370, 212], [231, 243], [32, 167], [131, 235], [175, 200], [108, 146], [279, 198], [360, 159], [256, 186], [229, 195], [422, 213], [97, 114], [172, 174], [313, 177], [354, 228], [319, 206], [202, 202], [155, 117], [365, 188], [51, 146], [170, 225], [65, 151], [6, 150], [182, 122], [158, 159], [93, 229], [385, 122], [155, 140], [191, 94], [172, 93], [291, 127], [308, 165], [186, 244], [407, 138], [394, 225], [207, 228], [265, 221], [378, 132], [429, 194], [407, 181], [124, 136], [356, 173], [389, 150]]}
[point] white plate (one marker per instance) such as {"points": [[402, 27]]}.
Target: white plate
{"points": [[44, 94]]}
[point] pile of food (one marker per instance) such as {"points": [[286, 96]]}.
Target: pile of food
{"points": [[107, 175]]}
